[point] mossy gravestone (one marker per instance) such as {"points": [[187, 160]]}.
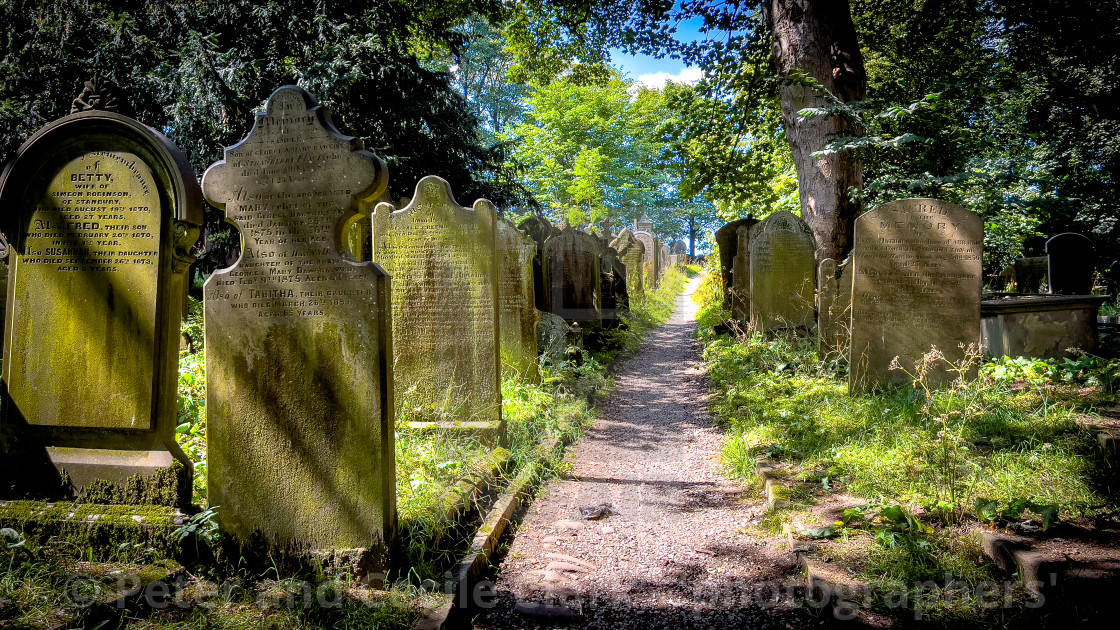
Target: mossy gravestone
{"points": [[651, 249], [834, 308], [916, 269], [101, 212], [783, 273], [631, 252], [444, 263], [572, 275], [740, 291], [540, 230], [727, 241], [518, 324], [299, 386]]}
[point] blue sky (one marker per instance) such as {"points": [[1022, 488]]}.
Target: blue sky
{"points": [[654, 72]]}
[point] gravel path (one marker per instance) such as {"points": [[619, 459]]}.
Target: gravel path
{"points": [[679, 552]]}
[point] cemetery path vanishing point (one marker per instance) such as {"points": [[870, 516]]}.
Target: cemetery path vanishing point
{"points": [[679, 552]]}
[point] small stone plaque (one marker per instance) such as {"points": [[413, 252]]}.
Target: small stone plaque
{"points": [[102, 212], [572, 275], [834, 309], [1071, 262], [631, 252], [917, 266], [298, 345], [518, 325], [444, 263], [782, 273]]}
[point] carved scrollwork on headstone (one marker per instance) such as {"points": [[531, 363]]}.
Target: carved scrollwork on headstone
{"points": [[183, 237], [97, 93]]}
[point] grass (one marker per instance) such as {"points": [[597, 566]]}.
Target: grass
{"points": [[36, 588], [1006, 438]]}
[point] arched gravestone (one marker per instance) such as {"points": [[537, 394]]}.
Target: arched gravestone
{"points": [[518, 325], [727, 241], [540, 230], [298, 344], [783, 273], [101, 212], [666, 259], [916, 281], [679, 248], [630, 254], [834, 309], [444, 262], [651, 249], [1071, 263], [572, 275]]}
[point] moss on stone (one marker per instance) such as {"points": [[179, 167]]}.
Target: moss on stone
{"points": [[100, 528], [168, 486]]}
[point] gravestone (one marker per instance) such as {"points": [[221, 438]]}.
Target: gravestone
{"points": [[101, 212], [552, 337], [1031, 274], [572, 275], [518, 321], [782, 273], [607, 224], [444, 262], [727, 241], [651, 252], [834, 309], [740, 292], [680, 249], [1071, 263], [631, 252], [299, 386], [916, 267], [612, 274], [644, 224], [666, 259], [540, 230]]}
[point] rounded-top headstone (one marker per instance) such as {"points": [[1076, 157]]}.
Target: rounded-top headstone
{"points": [[1071, 262]]}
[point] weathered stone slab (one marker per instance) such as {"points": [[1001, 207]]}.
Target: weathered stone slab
{"points": [[631, 252], [444, 262], [540, 230], [1040, 326], [740, 291], [101, 212], [572, 275], [518, 319], [727, 241], [782, 273], [917, 267], [298, 342], [1071, 261], [834, 309]]}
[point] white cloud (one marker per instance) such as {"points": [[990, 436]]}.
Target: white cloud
{"points": [[659, 79]]}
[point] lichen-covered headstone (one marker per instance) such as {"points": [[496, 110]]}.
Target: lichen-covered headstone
{"points": [[572, 275], [444, 261], [783, 272], [916, 278], [1071, 261], [631, 253], [518, 325], [540, 230], [100, 213], [834, 309], [651, 253], [299, 387], [727, 241]]}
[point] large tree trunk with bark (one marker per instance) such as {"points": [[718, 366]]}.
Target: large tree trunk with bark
{"points": [[818, 38]]}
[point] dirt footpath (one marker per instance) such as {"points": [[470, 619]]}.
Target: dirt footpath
{"points": [[678, 552]]}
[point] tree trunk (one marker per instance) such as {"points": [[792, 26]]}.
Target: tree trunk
{"points": [[818, 38], [691, 238]]}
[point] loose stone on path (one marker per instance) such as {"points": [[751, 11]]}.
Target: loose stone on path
{"points": [[678, 552]]}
